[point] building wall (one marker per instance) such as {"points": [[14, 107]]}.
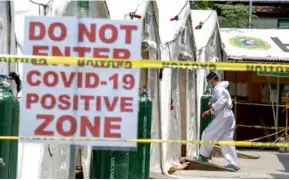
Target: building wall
{"points": [[269, 23]]}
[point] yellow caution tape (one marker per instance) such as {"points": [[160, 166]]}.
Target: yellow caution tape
{"points": [[259, 127], [259, 104], [266, 136], [144, 141], [125, 63]]}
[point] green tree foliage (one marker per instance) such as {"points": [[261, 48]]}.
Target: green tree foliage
{"points": [[205, 4], [230, 15], [234, 16]]}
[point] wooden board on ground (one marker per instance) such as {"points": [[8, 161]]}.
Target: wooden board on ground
{"points": [[217, 153], [194, 165], [178, 168]]}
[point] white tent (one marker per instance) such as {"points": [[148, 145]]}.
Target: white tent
{"points": [[8, 43], [148, 12], [208, 44], [29, 155], [176, 85], [40, 160]]}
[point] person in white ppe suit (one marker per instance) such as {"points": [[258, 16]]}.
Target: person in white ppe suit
{"points": [[222, 126]]}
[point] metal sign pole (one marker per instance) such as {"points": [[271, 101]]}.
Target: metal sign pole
{"points": [[83, 7], [72, 159]]}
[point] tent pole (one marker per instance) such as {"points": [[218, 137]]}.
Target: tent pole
{"points": [[277, 107], [286, 108], [235, 104]]}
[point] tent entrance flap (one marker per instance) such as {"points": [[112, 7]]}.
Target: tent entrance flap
{"points": [[183, 106]]}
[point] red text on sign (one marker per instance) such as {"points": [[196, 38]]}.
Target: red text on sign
{"points": [[96, 52], [86, 80], [54, 78], [91, 32], [111, 125], [67, 102]]}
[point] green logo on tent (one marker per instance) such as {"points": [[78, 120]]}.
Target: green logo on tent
{"points": [[247, 42]]}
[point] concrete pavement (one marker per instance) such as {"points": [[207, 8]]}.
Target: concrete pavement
{"points": [[270, 165]]}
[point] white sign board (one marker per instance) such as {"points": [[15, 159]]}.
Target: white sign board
{"points": [[81, 101]]}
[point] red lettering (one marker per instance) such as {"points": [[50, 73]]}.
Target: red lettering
{"points": [[89, 34], [103, 30], [75, 102], [64, 100], [110, 106], [128, 32], [31, 98], [67, 82], [44, 101], [112, 126], [67, 101], [73, 125], [108, 126], [50, 76], [36, 50], [91, 80], [51, 31], [86, 101], [98, 103], [32, 31], [40, 130], [97, 52], [79, 80], [85, 124], [126, 104], [29, 78], [81, 51], [121, 53], [57, 52]]}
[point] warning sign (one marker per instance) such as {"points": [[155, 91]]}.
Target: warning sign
{"points": [[81, 101]]}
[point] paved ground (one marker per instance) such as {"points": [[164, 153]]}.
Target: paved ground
{"points": [[270, 165]]}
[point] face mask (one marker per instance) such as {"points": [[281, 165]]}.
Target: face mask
{"points": [[209, 85]]}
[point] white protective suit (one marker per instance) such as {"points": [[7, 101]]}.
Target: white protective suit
{"points": [[222, 126]]}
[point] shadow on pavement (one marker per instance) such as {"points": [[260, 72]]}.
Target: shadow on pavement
{"points": [[279, 176], [284, 160]]}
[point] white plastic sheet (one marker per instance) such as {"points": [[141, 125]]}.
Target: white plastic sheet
{"points": [[208, 49], [171, 31], [28, 167], [149, 11], [7, 43]]}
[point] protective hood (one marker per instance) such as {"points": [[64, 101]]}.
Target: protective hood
{"points": [[224, 84]]}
